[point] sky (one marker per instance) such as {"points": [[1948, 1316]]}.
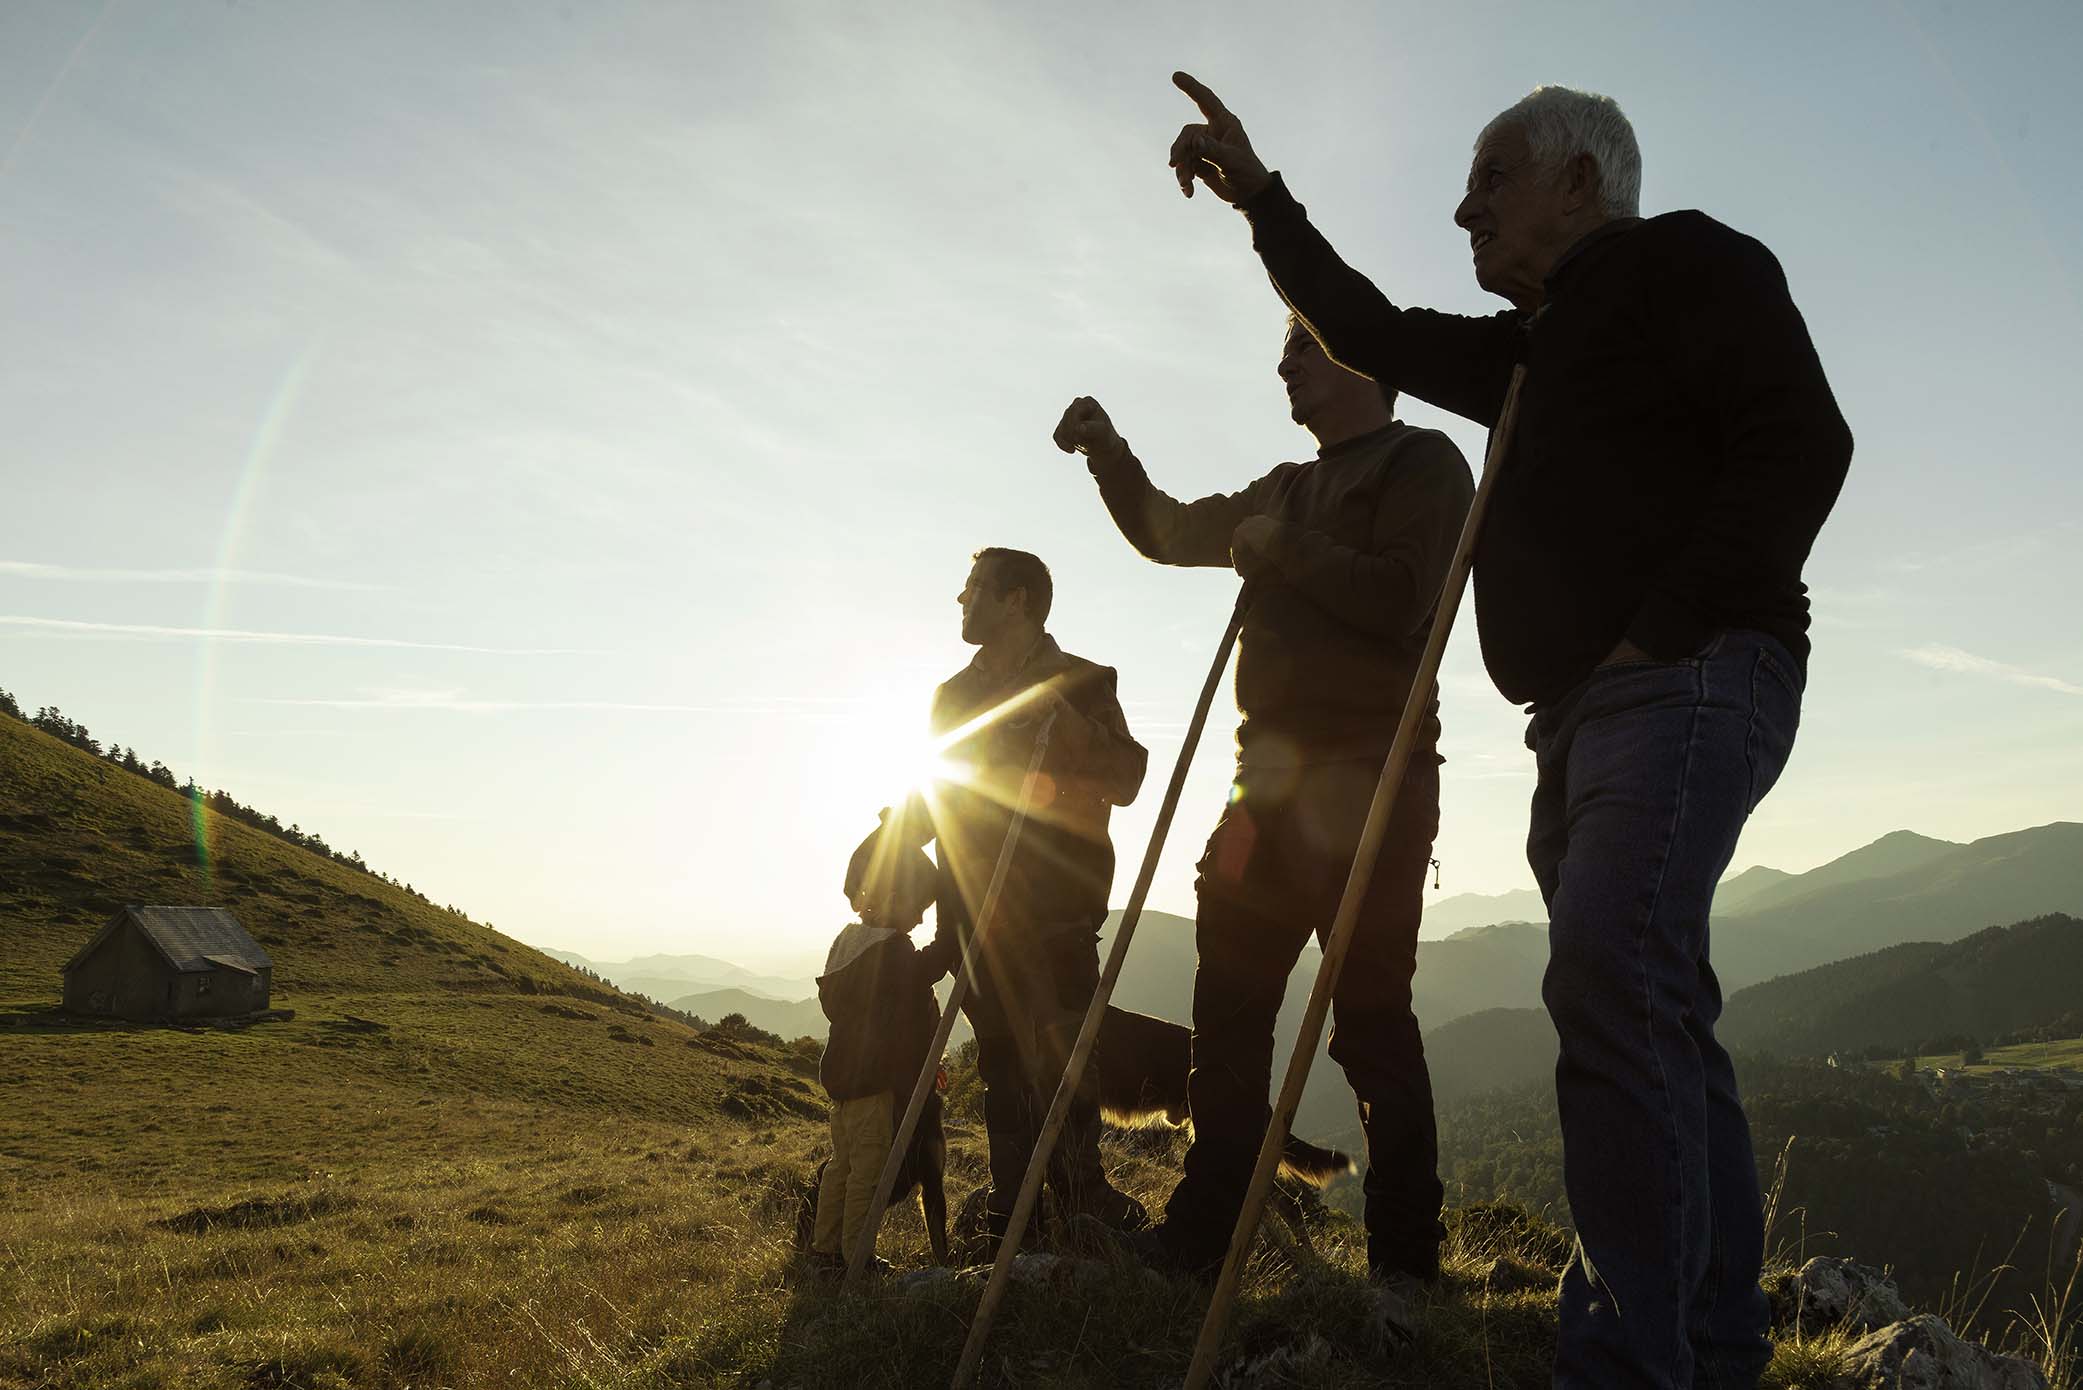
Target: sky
{"points": [[539, 446]]}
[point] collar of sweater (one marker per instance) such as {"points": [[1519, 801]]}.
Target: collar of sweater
{"points": [[1603, 232]]}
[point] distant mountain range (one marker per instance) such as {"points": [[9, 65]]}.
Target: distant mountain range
{"points": [[1478, 991], [786, 1018], [1997, 981], [1901, 888], [1885, 912], [1465, 910], [664, 977]]}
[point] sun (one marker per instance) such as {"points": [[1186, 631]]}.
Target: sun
{"points": [[890, 754]]}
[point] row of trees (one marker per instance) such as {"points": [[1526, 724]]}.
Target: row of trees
{"points": [[54, 722]]}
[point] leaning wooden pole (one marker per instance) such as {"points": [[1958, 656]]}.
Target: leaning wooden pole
{"points": [[1371, 835], [1088, 1034], [863, 1248]]}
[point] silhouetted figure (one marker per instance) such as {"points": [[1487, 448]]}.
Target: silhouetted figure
{"points": [[1039, 963], [1345, 554], [1638, 584], [877, 992]]}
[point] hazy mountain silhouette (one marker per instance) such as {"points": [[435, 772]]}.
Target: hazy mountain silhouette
{"points": [[1998, 981], [1478, 990], [1736, 892], [1449, 915], [1899, 851], [1481, 1051], [788, 1018], [663, 977], [1945, 893]]}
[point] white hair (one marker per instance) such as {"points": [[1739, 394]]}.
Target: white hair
{"points": [[1561, 123]]}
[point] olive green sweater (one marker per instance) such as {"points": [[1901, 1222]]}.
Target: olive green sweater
{"points": [[1333, 637]]}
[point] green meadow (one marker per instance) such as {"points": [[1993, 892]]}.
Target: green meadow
{"points": [[461, 1163]]}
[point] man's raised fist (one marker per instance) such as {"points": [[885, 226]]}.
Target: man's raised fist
{"points": [[1085, 429]]}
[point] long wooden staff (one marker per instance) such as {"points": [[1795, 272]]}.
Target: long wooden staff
{"points": [[964, 978], [1088, 1034], [1356, 881]]}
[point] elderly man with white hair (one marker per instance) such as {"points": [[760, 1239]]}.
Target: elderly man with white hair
{"points": [[1638, 586]]}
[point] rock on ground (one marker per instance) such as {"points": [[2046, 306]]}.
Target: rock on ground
{"points": [[1831, 1293], [1922, 1353]]}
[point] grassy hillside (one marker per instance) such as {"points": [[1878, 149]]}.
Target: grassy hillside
{"points": [[409, 1020], [463, 1164], [2065, 1054]]}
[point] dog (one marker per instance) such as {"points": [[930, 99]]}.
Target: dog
{"points": [[1142, 1065]]}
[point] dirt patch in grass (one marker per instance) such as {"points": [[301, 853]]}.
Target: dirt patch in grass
{"points": [[257, 1213]]}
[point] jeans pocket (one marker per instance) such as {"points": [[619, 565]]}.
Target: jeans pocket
{"points": [[1770, 661]]}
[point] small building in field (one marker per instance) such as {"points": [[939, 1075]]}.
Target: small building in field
{"points": [[169, 963]]}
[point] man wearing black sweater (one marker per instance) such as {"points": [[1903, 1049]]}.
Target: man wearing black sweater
{"points": [[1345, 554], [1638, 584]]}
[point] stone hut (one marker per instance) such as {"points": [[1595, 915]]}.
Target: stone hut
{"points": [[162, 963]]}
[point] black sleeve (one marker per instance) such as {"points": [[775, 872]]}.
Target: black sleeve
{"points": [[1748, 365], [1454, 361]]}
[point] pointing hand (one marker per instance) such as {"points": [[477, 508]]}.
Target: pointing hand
{"points": [[1216, 151]]}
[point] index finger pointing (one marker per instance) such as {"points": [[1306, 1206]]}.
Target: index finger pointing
{"points": [[1210, 104]]}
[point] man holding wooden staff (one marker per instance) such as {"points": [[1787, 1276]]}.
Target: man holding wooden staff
{"points": [[1038, 966], [1638, 585], [1344, 554]]}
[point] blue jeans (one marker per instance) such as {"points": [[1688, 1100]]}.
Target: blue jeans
{"points": [[1647, 771]]}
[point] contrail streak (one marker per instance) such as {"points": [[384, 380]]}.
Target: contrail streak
{"points": [[287, 639]]}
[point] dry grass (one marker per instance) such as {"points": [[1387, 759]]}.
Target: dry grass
{"points": [[561, 1250], [436, 1177]]}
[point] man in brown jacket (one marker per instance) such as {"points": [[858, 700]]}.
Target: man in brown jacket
{"points": [[1039, 962], [1345, 554]]}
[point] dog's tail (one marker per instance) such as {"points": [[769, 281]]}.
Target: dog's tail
{"points": [[1312, 1163]]}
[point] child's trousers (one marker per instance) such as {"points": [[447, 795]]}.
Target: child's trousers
{"points": [[860, 1145]]}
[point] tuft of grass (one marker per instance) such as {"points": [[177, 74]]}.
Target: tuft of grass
{"points": [[421, 1354]]}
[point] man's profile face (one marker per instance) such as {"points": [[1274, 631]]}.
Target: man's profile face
{"points": [[1514, 217], [984, 611], [1313, 380], [1305, 372]]}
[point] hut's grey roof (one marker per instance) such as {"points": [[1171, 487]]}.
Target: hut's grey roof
{"points": [[191, 938]]}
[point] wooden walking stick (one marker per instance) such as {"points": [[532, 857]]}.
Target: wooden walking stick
{"points": [[1088, 1034], [928, 1074], [1356, 881]]}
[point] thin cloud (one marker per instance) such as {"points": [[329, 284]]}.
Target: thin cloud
{"points": [[155, 632], [808, 709], [1940, 658], [25, 569], [455, 702]]}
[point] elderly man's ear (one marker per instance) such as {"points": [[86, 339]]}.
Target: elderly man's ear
{"points": [[1580, 183]]}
